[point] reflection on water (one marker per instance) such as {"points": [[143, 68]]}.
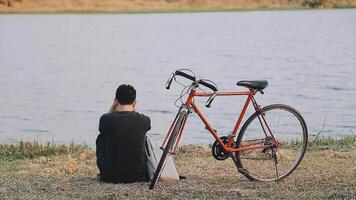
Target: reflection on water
{"points": [[158, 111], [58, 73]]}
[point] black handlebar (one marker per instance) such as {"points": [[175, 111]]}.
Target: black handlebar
{"points": [[210, 100], [169, 82], [180, 73], [208, 85], [193, 78]]}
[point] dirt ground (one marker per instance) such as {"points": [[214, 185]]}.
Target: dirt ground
{"points": [[323, 174]]}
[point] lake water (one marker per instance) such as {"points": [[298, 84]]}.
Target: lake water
{"points": [[58, 73]]}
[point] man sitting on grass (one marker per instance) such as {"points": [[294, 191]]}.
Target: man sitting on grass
{"points": [[120, 146]]}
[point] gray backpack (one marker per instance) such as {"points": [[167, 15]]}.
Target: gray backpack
{"points": [[154, 154]]}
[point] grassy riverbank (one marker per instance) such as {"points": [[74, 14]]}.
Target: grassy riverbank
{"points": [[142, 6], [328, 171]]}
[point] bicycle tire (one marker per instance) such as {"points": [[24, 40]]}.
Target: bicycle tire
{"points": [[171, 141], [294, 133]]}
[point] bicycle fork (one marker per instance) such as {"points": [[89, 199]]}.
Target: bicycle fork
{"points": [[178, 137]]}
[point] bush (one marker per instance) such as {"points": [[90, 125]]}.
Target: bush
{"points": [[313, 3]]}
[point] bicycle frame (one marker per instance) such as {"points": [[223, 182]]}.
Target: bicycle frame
{"points": [[190, 103]]}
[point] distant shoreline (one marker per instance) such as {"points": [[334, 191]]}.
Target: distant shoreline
{"points": [[165, 11], [163, 6]]}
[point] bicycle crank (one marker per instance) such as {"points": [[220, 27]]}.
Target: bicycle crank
{"points": [[217, 151]]}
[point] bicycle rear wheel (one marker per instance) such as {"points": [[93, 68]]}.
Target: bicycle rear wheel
{"points": [[169, 148], [278, 139]]}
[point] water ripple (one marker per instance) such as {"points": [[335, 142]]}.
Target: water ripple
{"points": [[35, 130], [338, 88], [159, 111]]}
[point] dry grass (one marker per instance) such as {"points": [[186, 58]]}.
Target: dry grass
{"points": [[50, 6], [323, 174]]}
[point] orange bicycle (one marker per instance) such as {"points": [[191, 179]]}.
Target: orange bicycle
{"points": [[270, 144]]}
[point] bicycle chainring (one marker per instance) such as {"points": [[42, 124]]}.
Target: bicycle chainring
{"points": [[218, 152]]}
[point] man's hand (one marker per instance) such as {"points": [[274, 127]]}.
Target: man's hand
{"points": [[114, 106]]}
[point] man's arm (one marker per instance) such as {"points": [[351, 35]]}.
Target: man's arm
{"points": [[148, 123], [114, 106], [101, 124]]}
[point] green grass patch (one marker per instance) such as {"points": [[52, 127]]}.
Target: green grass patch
{"points": [[30, 150], [327, 142], [10, 166]]}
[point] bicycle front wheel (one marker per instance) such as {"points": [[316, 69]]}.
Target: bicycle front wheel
{"points": [[275, 139], [169, 148]]}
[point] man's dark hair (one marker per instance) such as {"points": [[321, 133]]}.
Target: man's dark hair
{"points": [[125, 94]]}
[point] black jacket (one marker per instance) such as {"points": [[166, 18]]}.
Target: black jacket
{"points": [[120, 147]]}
